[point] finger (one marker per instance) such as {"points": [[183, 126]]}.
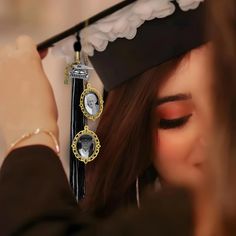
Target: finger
{"points": [[9, 46], [7, 49], [24, 42]]}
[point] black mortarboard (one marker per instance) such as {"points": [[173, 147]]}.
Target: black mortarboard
{"points": [[176, 28], [156, 41]]}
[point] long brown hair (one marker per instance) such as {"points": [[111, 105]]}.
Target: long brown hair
{"points": [[126, 135]]}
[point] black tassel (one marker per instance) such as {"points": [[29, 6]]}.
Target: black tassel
{"points": [[77, 168]]}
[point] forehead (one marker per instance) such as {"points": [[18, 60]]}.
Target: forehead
{"points": [[85, 141], [90, 96], [193, 74]]}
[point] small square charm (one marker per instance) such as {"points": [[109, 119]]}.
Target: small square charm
{"points": [[86, 145], [76, 70]]}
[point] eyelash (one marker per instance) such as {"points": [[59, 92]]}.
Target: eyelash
{"points": [[173, 123]]}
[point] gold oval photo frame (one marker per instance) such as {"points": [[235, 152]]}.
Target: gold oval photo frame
{"points": [[84, 134], [93, 93]]}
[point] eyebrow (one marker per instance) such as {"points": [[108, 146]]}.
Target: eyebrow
{"points": [[172, 98]]}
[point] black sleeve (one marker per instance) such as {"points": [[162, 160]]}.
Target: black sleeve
{"points": [[35, 197], [167, 213], [36, 200]]}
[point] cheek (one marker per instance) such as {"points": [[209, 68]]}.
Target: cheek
{"points": [[175, 153]]}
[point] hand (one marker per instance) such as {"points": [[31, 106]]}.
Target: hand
{"points": [[26, 97]]}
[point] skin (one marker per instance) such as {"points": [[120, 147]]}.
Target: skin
{"points": [[85, 145], [91, 102], [182, 150], [26, 98]]}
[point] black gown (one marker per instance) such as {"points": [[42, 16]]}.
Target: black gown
{"points": [[36, 199]]}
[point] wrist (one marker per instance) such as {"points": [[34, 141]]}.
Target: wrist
{"points": [[11, 132], [36, 137]]}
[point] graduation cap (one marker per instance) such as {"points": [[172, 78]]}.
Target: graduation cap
{"points": [[129, 38], [133, 36]]}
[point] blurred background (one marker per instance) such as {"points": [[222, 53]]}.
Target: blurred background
{"points": [[44, 18], [41, 20]]}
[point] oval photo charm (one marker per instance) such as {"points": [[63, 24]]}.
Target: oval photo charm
{"points": [[86, 145], [91, 103]]}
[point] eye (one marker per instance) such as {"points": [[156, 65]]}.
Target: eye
{"points": [[173, 123]]}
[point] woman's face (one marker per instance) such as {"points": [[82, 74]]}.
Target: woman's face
{"points": [[184, 113]]}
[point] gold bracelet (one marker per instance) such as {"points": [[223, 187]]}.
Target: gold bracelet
{"points": [[35, 132]]}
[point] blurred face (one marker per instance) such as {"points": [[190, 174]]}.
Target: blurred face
{"points": [[184, 115], [91, 101], [86, 145]]}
